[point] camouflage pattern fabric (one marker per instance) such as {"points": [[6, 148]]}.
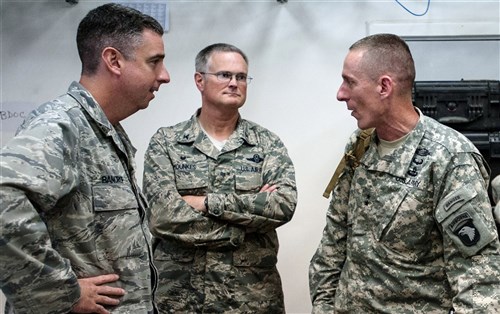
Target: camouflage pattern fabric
{"points": [[495, 189], [411, 232], [71, 208], [224, 261]]}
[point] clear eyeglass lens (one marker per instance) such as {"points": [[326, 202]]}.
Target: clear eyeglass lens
{"points": [[227, 76]]}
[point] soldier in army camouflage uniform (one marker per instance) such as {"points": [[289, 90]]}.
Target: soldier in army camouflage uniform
{"points": [[410, 229], [218, 187], [73, 231]]}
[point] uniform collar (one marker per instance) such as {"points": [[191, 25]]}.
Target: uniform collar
{"points": [[90, 105], [193, 133], [94, 110], [399, 162]]}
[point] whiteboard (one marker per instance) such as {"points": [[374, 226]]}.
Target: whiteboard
{"points": [[12, 115]]}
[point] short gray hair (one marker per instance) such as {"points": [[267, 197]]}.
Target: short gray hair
{"points": [[387, 53], [202, 58]]}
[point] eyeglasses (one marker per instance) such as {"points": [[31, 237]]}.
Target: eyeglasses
{"points": [[226, 77]]}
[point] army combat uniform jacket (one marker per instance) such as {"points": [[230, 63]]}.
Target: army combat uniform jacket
{"points": [[411, 232], [224, 261], [71, 208]]}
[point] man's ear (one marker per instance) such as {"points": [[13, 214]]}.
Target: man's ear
{"points": [[112, 59], [385, 86], [200, 82]]}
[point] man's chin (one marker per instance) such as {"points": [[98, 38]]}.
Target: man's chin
{"points": [[362, 125], [235, 104], [143, 106]]}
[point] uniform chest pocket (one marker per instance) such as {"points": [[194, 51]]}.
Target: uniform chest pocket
{"points": [[117, 230], [110, 197], [406, 224], [248, 182], [248, 172], [191, 172]]}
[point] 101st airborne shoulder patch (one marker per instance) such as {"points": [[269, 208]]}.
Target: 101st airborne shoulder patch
{"points": [[462, 219], [463, 227]]}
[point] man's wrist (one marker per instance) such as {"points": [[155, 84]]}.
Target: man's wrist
{"points": [[214, 208]]}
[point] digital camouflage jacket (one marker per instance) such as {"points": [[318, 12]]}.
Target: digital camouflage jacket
{"points": [[225, 261], [410, 232], [71, 208]]}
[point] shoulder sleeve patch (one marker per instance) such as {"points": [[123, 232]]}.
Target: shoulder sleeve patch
{"points": [[462, 222], [454, 201]]}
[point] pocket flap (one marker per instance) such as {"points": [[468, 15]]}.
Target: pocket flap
{"points": [[110, 197]]}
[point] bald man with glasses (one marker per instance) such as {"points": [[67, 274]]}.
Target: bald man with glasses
{"points": [[218, 187]]}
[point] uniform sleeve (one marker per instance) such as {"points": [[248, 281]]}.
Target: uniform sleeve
{"points": [[35, 174], [470, 239], [262, 211], [172, 218], [327, 262]]}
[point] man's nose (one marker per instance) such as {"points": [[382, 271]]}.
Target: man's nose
{"points": [[341, 94], [164, 76]]}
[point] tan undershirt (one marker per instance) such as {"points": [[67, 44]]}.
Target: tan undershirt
{"points": [[387, 147]]}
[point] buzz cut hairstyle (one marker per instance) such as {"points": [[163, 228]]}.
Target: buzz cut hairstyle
{"points": [[387, 53]]}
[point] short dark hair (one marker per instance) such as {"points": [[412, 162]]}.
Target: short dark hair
{"points": [[201, 61], [387, 53], [111, 25]]}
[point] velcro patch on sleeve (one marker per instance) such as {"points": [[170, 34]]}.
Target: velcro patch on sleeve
{"points": [[461, 221]]}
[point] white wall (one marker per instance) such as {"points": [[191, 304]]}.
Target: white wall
{"points": [[296, 52]]}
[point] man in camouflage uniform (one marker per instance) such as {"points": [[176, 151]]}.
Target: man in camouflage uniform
{"points": [[410, 227], [218, 187], [73, 230]]}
